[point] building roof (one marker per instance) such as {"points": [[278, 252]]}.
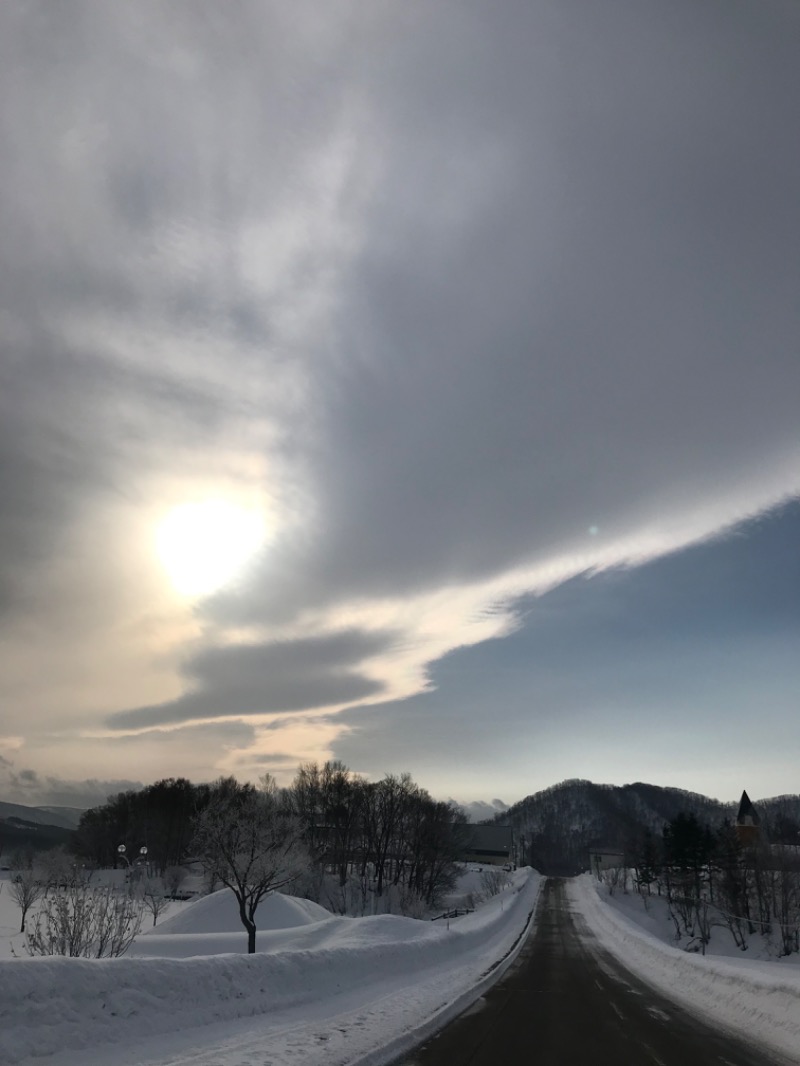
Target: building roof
{"points": [[747, 815]]}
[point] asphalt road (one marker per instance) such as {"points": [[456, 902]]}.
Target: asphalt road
{"points": [[566, 1002]]}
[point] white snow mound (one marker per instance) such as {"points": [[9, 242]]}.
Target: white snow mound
{"points": [[219, 913]]}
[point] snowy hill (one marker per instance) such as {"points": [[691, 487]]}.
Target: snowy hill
{"points": [[63, 817], [560, 824], [18, 833]]}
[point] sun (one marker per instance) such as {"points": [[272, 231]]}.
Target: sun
{"points": [[205, 545]]}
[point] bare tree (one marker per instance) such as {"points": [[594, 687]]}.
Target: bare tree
{"points": [[384, 805], [58, 869], [26, 888], [84, 922], [785, 887], [249, 841], [173, 879], [613, 878], [493, 881], [153, 896]]}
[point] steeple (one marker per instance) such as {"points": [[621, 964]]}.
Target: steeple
{"points": [[747, 822]]}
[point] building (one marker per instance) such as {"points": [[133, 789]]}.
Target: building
{"points": [[605, 859], [491, 845], [748, 823]]}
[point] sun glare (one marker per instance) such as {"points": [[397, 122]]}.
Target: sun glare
{"points": [[204, 546]]}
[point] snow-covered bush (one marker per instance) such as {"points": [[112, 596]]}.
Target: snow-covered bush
{"points": [[84, 922], [493, 881]]}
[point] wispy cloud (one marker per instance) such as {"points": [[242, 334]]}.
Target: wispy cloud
{"points": [[259, 680]]}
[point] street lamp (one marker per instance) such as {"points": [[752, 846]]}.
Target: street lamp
{"points": [[122, 851]]}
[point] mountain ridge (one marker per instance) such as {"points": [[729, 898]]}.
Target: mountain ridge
{"points": [[558, 826], [63, 817]]}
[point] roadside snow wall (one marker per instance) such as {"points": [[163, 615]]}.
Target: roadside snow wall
{"points": [[55, 1004], [758, 1000]]}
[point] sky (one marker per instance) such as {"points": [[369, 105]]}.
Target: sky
{"points": [[413, 385]]}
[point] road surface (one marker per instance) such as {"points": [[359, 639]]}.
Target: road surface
{"points": [[566, 1002]]}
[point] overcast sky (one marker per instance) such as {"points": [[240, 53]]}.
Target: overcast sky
{"points": [[412, 384]]}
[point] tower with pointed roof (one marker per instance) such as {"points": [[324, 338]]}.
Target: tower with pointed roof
{"points": [[747, 822]]}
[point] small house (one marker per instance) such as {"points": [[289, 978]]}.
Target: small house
{"points": [[605, 859]]}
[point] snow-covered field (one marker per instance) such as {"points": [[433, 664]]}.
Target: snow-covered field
{"points": [[320, 989], [759, 999]]}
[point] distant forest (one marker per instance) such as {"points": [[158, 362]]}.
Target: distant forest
{"points": [[387, 837], [557, 828], [20, 836]]}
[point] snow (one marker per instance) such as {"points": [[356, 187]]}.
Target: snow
{"points": [[212, 926], [758, 999], [655, 920], [320, 989], [218, 913], [334, 990]]}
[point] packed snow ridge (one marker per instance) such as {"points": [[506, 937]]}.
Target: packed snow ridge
{"points": [[757, 999]]}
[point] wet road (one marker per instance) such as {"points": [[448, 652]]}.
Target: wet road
{"points": [[566, 1002]]}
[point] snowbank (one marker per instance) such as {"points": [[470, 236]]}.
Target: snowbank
{"points": [[50, 1005], [760, 1000]]}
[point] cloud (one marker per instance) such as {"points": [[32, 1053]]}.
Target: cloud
{"points": [[522, 378], [32, 789], [518, 378], [205, 747], [228, 735], [263, 679], [275, 758], [111, 362], [480, 810], [469, 305]]}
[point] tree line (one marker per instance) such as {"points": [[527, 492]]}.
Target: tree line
{"points": [[712, 878], [351, 844], [557, 827]]}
